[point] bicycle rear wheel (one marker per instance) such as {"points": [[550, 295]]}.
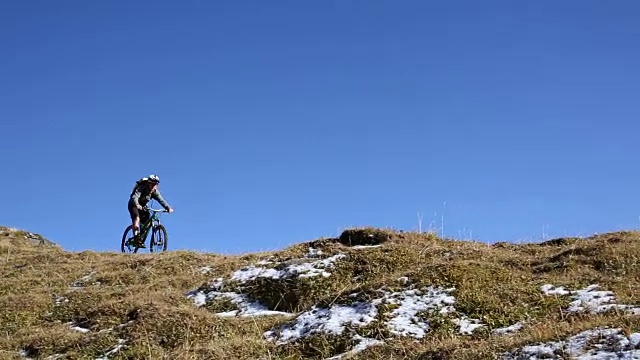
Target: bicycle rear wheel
{"points": [[159, 239], [127, 245]]}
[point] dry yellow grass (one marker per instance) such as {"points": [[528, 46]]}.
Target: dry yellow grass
{"points": [[141, 300]]}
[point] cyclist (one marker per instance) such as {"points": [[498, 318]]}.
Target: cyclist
{"points": [[144, 190]]}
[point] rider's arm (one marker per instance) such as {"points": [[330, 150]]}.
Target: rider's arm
{"points": [[156, 195], [135, 197]]}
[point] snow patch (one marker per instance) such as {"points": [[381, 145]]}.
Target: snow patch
{"points": [[467, 325], [114, 349], [509, 329], [61, 300], [314, 252], [589, 300], [365, 246], [78, 328], [23, 354], [55, 357], [594, 344], [362, 343], [404, 320], [549, 289], [199, 298], [311, 265], [324, 320], [244, 305], [305, 269], [82, 282]]}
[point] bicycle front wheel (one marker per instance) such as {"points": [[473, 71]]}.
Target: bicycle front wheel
{"points": [[159, 239], [127, 245]]}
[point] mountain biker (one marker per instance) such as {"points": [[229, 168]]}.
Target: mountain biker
{"points": [[144, 190]]}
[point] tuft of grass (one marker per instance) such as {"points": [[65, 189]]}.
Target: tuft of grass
{"points": [[364, 236]]}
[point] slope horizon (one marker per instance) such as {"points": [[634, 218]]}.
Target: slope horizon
{"points": [[275, 124], [419, 229]]}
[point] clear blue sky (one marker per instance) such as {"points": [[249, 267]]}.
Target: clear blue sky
{"points": [[277, 122]]}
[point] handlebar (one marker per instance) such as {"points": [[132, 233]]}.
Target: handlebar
{"points": [[158, 210]]}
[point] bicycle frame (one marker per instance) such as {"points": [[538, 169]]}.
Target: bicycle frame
{"points": [[153, 220]]}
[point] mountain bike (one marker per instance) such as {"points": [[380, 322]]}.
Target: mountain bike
{"points": [[159, 235]]}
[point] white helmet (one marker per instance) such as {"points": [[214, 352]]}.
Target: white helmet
{"points": [[154, 178]]}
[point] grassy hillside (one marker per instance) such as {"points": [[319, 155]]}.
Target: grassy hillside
{"points": [[368, 294]]}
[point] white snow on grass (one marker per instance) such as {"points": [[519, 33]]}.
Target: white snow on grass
{"points": [[361, 344], [404, 320], [61, 300], [300, 267], [244, 305], [549, 289], [23, 354], [595, 344], [82, 282], [509, 329], [407, 317], [55, 357], [407, 312], [313, 252], [113, 350], [366, 246], [589, 300], [324, 320], [304, 269], [199, 298], [467, 325], [78, 328]]}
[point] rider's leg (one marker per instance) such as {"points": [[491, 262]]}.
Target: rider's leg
{"points": [[136, 225], [135, 218], [143, 218]]}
